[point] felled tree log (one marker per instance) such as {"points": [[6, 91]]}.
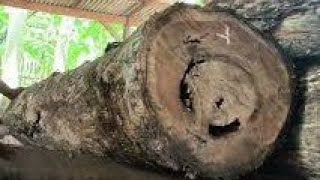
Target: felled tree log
{"points": [[295, 25], [193, 91]]}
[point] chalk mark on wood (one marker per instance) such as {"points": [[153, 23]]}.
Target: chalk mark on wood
{"points": [[226, 34]]}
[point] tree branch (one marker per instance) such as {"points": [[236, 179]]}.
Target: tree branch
{"points": [[8, 92]]}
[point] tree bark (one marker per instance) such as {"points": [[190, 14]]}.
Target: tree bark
{"points": [[295, 25], [192, 91]]}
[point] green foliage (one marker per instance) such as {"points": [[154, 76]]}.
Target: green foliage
{"points": [[92, 37], [4, 19], [57, 20], [200, 2], [40, 37], [74, 53], [37, 48], [39, 40]]}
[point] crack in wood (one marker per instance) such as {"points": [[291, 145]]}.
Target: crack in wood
{"points": [[219, 131]]}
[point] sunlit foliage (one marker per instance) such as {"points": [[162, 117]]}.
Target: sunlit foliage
{"points": [[4, 18], [40, 39]]}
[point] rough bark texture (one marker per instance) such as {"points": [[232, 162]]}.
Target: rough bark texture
{"points": [[295, 24], [193, 90]]}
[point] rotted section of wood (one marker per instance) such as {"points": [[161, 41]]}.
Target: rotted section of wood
{"points": [[192, 91]]}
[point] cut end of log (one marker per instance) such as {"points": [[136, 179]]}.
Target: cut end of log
{"points": [[219, 87]]}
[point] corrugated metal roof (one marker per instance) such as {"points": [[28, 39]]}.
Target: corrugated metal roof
{"points": [[102, 10], [115, 7], [67, 3]]}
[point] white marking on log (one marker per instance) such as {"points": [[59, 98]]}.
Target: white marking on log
{"points": [[226, 34]]}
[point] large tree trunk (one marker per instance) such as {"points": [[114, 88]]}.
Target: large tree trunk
{"points": [[192, 91], [295, 24]]}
